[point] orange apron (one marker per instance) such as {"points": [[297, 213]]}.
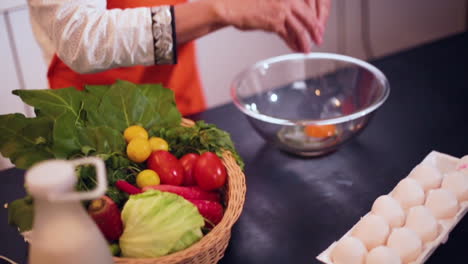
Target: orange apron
{"points": [[182, 78]]}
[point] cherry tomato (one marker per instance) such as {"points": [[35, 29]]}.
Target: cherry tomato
{"points": [[167, 166], [187, 161], [209, 171]]}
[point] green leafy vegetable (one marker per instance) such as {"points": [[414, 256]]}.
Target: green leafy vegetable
{"points": [[71, 124], [53, 103], [198, 139], [163, 106], [103, 140], [158, 223], [20, 213], [124, 105], [26, 140], [66, 131], [187, 239]]}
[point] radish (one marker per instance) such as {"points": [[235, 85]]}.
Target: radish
{"points": [[193, 192], [106, 214]]}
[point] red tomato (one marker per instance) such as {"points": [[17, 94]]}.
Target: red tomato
{"points": [[187, 161], [209, 171], [167, 166]]}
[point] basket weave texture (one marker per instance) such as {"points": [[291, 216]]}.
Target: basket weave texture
{"points": [[210, 249]]}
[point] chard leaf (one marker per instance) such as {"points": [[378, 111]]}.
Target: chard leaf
{"points": [[97, 91], [66, 142], [163, 104], [103, 140], [53, 103], [20, 213], [25, 140], [93, 96], [124, 105], [144, 104]]}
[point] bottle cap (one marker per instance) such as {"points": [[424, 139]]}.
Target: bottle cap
{"points": [[51, 176]]}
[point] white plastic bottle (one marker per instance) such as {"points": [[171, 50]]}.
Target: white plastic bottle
{"points": [[62, 230]]}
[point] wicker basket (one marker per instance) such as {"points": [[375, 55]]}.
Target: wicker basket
{"points": [[210, 249]]}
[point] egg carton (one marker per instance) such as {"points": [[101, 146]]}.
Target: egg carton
{"points": [[444, 164]]}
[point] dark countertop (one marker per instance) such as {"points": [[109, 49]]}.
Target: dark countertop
{"points": [[296, 207]]}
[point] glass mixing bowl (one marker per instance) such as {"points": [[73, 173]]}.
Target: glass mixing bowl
{"points": [[309, 104]]}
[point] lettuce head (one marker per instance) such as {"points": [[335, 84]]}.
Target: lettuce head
{"points": [[158, 223]]}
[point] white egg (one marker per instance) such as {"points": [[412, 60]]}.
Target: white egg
{"points": [[421, 220], [372, 230], [383, 255], [406, 242], [349, 250], [457, 183], [427, 176], [408, 193], [442, 203], [389, 208], [462, 165]]}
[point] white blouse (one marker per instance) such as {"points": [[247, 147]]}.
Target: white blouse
{"points": [[89, 38]]}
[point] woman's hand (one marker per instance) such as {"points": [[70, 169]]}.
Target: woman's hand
{"points": [[295, 21], [298, 22]]}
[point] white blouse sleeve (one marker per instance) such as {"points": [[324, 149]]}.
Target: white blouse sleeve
{"points": [[89, 38]]}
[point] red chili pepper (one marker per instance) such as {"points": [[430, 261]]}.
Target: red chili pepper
{"points": [[191, 192], [212, 211], [127, 187]]}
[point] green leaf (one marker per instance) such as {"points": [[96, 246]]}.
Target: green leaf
{"points": [[143, 104], [25, 140], [97, 91], [117, 196], [124, 105], [102, 140], [94, 95], [53, 103], [66, 131], [163, 104], [20, 213]]}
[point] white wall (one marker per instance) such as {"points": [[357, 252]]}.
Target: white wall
{"points": [[8, 4], [393, 25], [8, 78], [30, 55]]}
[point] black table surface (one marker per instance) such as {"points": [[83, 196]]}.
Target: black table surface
{"points": [[296, 207]]}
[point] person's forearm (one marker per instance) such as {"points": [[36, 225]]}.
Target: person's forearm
{"points": [[196, 19], [89, 38]]}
